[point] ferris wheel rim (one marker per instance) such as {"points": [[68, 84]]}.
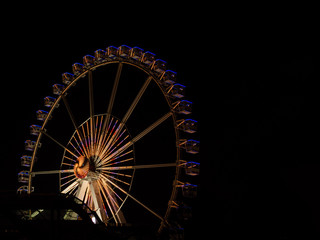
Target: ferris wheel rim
{"points": [[151, 76]]}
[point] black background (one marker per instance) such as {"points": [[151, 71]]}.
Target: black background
{"points": [[255, 83]]}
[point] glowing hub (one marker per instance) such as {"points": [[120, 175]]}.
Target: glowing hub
{"points": [[82, 167]]}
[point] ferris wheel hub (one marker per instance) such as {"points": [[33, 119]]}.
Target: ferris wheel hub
{"points": [[85, 167]]}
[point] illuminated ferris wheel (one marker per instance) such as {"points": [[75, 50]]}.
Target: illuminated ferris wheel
{"points": [[95, 140]]}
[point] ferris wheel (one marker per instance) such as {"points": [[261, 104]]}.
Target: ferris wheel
{"points": [[106, 138]]}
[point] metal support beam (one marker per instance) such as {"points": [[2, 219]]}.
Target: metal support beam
{"points": [[97, 200], [91, 100], [51, 172], [140, 166], [69, 112]]}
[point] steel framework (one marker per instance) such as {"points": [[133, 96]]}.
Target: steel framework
{"points": [[98, 164]]}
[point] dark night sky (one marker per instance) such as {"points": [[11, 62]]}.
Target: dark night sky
{"points": [[256, 87]]}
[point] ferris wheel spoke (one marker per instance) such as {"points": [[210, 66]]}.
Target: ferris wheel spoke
{"points": [[111, 140], [68, 176], [65, 101], [122, 155], [71, 187], [73, 120], [151, 127], [110, 148], [82, 190], [83, 140], [115, 179], [76, 149], [80, 145], [112, 161], [58, 143], [96, 135], [107, 201], [116, 153], [119, 174], [147, 166], [138, 137], [117, 137], [111, 198], [73, 179], [97, 200], [105, 185], [136, 100], [114, 89], [106, 122], [104, 162], [113, 95], [91, 101], [133, 198], [51, 172]]}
